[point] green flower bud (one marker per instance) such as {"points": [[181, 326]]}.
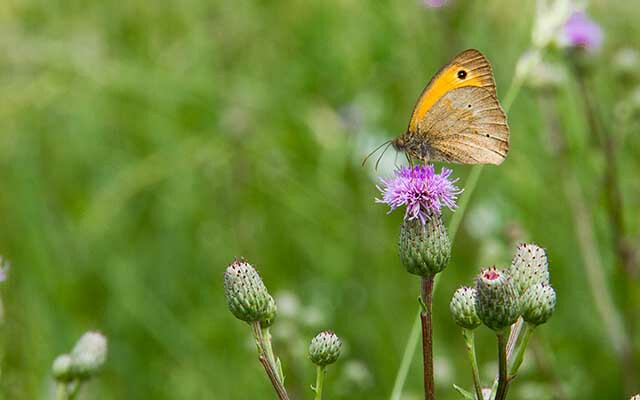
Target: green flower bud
{"points": [[325, 348], [88, 355], [247, 297], [497, 301], [270, 316], [463, 308], [61, 368], [538, 303], [529, 267], [425, 249]]}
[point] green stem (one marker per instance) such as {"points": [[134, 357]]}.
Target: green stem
{"points": [[266, 335], [269, 368], [61, 391], [456, 219], [469, 340], [73, 389], [503, 379], [514, 335], [320, 373]]}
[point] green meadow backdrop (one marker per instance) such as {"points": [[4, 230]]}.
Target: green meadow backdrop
{"points": [[144, 145]]}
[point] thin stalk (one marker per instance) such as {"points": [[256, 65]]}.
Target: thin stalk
{"points": [[73, 389], [61, 391], [611, 185], [427, 337], [454, 224], [266, 335], [320, 372], [514, 335], [503, 380], [270, 369], [469, 340], [407, 357]]}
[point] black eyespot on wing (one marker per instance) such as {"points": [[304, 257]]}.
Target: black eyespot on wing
{"points": [[487, 135], [462, 74], [469, 106]]}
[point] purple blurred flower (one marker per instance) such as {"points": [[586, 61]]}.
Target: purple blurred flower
{"points": [[420, 189], [434, 3], [581, 31], [4, 269]]}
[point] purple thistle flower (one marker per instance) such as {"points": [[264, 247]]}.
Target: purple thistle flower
{"points": [[581, 31], [434, 3], [4, 269], [420, 189]]}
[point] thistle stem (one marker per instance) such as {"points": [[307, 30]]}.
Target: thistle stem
{"points": [[269, 368], [73, 389], [502, 367], [320, 373], [503, 379], [469, 340], [61, 391], [427, 337], [266, 335]]}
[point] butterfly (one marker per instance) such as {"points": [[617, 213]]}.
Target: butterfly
{"points": [[458, 118]]}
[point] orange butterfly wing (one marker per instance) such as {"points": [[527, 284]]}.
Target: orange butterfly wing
{"points": [[469, 68]]}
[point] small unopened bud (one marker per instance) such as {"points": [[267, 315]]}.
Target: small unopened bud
{"points": [[626, 62], [88, 355], [529, 267], [247, 297], [463, 308], [425, 249], [325, 348], [497, 301], [61, 368], [538, 303], [270, 316]]}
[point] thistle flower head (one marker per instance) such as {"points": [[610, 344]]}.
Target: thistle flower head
{"points": [[529, 267], [581, 31], [497, 301], [425, 249], [421, 190], [434, 3], [325, 348], [247, 297], [88, 355], [463, 307], [61, 368], [538, 303]]}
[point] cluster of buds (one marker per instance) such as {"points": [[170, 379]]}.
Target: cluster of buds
{"points": [[248, 300], [501, 296], [85, 360]]}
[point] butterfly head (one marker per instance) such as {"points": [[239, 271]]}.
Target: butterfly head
{"points": [[399, 143]]}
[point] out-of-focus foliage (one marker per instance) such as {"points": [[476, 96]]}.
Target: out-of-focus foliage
{"points": [[144, 145]]}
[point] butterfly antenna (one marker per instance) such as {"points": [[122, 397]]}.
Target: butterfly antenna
{"points": [[374, 151], [382, 154]]}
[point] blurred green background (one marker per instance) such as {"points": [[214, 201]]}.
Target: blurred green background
{"points": [[144, 145]]}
